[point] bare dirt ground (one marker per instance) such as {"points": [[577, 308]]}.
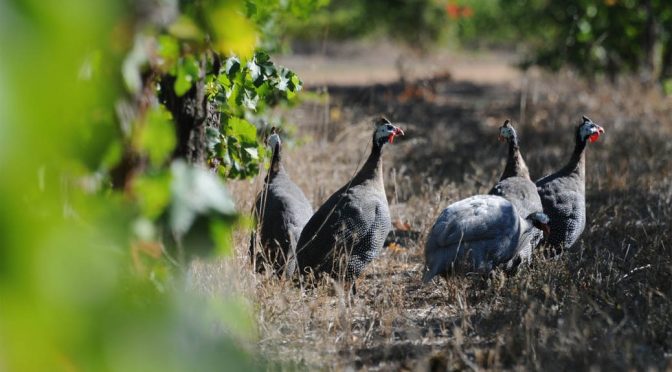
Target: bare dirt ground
{"points": [[605, 304]]}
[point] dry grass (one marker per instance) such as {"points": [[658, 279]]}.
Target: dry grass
{"points": [[606, 304]]}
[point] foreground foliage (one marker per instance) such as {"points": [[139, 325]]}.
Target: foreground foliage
{"points": [[107, 196]]}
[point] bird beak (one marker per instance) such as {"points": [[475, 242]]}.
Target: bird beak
{"points": [[397, 131], [595, 136]]}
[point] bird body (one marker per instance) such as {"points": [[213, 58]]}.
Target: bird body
{"points": [[349, 229], [564, 199], [563, 193], [477, 234], [353, 223], [282, 210]]}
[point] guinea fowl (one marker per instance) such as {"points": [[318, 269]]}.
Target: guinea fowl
{"points": [[515, 186], [563, 194], [349, 229], [477, 234], [282, 209]]}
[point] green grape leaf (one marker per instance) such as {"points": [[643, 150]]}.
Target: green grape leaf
{"points": [[232, 66], [282, 83], [242, 130], [187, 72], [224, 80], [262, 58], [253, 152], [251, 100], [255, 71], [295, 83], [213, 137]]}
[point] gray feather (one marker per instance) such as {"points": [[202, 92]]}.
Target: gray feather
{"points": [[475, 234]]}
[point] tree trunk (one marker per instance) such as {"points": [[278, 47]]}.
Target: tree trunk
{"points": [[192, 114], [650, 35], [666, 62]]}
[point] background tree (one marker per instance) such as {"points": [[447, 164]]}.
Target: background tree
{"points": [[607, 37]]}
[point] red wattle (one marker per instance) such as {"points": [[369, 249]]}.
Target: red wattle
{"points": [[390, 139], [593, 137]]}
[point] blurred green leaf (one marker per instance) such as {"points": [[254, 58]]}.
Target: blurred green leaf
{"points": [[667, 86], [236, 314], [133, 64], [86, 282], [168, 50], [296, 83], [222, 234], [187, 73], [112, 155], [195, 192], [157, 135], [213, 137], [152, 193], [185, 28], [233, 33], [253, 152]]}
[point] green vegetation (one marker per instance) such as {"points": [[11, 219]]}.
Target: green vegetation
{"points": [[109, 112], [417, 22], [609, 36], [595, 37]]}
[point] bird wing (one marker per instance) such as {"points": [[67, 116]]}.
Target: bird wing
{"points": [[521, 192]]}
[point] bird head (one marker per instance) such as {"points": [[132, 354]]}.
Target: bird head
{"points": [[506, 132], [588, 130], [385, 131], [540, 220], [274, 139]]}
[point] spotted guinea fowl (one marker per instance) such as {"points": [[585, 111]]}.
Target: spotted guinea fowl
{"points": [[349, 229], [477, 234], [515, 186], [563, 193], [282, 210]]}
